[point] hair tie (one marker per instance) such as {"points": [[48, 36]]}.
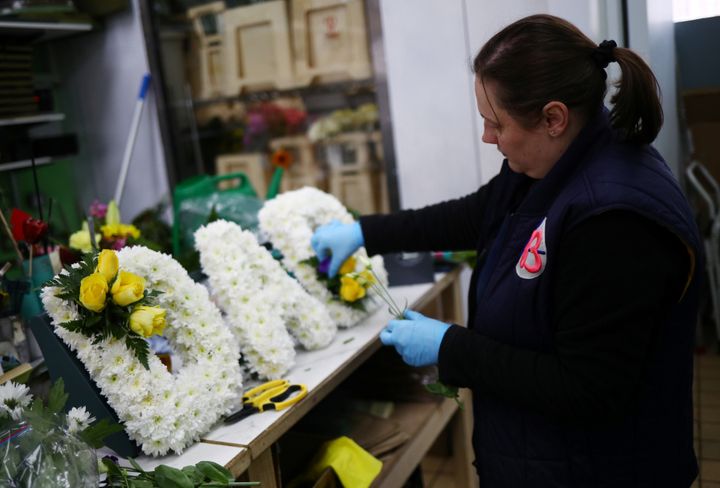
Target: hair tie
{"points": [[604, 54]]}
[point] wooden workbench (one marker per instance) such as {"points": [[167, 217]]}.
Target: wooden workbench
{"points": [[246, 447]]}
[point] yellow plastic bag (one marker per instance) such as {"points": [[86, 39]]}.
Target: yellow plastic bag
{"points": [[354, 466]]}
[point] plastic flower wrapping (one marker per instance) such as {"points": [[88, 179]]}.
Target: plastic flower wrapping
{"points": [[289, 221], [160, 411], [42, 446], [261, 301]]}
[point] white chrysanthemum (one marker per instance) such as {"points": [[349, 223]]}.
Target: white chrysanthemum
{"points": [[162, 412], [260, 300], [14, 398], [78, 419], [289, 221]]}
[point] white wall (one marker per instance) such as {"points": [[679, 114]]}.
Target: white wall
{"points": [[652, 36], [482, 23], [431, 100], [437, 130], [101, 73]]}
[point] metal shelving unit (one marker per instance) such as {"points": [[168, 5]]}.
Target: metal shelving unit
{"points": [[43, 30], [32, 119], [25, 163]]}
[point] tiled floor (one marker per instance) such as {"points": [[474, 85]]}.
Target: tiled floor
{"points": [[707, 419]]}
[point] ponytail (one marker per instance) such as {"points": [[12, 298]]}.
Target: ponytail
{"points": [[542, 58], [637, 113]]}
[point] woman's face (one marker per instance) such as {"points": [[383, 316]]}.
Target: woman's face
{"points": [[532, 151]]}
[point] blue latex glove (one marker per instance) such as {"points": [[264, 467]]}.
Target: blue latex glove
{"points": [[417, 339], [338, 240]]}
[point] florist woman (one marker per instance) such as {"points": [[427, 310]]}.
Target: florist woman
{"points": [[578, 348]]}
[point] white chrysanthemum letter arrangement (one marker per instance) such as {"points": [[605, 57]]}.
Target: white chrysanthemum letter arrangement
{"points": [[261, 301], [289, 221], [160, 411]]}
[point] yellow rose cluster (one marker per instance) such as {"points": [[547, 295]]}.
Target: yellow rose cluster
{"points": [[127, 288], [353, 286]]}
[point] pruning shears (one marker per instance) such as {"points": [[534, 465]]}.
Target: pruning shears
{"points": [[273, 395]]}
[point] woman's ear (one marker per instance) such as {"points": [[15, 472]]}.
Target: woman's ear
{"points": [[556, 118]]}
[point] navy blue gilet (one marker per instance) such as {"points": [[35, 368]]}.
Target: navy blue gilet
{"points": [[653, 446]]}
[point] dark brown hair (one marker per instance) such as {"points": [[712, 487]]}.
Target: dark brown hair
{"points": [[542, 58]]}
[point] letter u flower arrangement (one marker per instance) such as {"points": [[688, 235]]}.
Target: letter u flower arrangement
{"points": [[289, 221], [106, 306], [268, 311]]}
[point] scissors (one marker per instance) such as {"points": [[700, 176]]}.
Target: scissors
{"points": [[273, 395]]}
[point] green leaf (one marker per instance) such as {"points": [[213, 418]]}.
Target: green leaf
{"points": [[167, 477], [57, 398], [138, 483], [139, 347], [214, 215], [113, 469], [69, 284], [193, 473], [135, 465], [74, 325], [154, 294], [37, 407], [311, 261], [93, 319], [95, 434], [442, 389], [214, 472]]}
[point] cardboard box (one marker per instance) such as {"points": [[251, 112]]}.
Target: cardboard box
{"points": [[330, 41]]}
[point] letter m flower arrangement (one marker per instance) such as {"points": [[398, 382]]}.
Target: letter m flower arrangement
{"points": [[112, 303], [289, 221], [110, 311]]}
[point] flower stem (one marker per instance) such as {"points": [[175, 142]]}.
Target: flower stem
{"points": [[384, 293]]}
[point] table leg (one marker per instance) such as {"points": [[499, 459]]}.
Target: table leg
{"points": [[264, 469]]}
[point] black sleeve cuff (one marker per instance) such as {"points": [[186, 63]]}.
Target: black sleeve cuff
{"points": [[451, 349]]}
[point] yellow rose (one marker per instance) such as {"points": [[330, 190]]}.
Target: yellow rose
{"points": [[80, 240], [93, 292], [147, 321], [348, 266], [107, 264], [350, 289], [128, 288], [366, 278]]}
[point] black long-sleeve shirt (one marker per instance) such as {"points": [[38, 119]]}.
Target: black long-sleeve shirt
{"points": [[606, 315]]}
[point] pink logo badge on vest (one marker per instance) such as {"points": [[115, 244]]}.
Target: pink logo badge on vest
{"points": [[533, 258]]}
